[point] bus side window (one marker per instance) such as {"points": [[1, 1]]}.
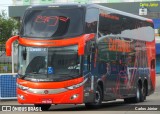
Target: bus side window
{"points": [[108, 23], [153, 64], [91, 20], [87, 57], [104, 25]]}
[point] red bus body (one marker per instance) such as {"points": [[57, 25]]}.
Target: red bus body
{"points": [[120, 58]]}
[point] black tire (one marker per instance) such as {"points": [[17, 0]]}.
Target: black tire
{"points": [[44, 107], [98, 99], [137, 98], [144, 92]]}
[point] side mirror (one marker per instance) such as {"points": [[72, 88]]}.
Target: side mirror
{"points": [[9, 45]]}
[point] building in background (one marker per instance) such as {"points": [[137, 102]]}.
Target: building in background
{"points": [[145, 8], [33, 2]]}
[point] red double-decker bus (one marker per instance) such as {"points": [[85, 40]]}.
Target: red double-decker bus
{"points": [[74, 54]]}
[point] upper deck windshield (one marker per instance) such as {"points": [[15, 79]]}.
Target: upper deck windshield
{"points": [[53, 23]]}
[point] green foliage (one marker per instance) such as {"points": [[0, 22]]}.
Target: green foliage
{"points": [[7, 26]]}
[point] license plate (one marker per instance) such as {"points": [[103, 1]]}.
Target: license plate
{"points": [[47, 101]]}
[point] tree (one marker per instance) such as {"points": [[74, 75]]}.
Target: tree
{"points": [[7, 26]]}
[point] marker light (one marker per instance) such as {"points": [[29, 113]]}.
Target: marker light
{"points": [[22, 87]]}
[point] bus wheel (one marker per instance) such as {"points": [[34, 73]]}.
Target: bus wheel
{"points": [[44, 107], [98, 99], [139, 94], [144, 92]]}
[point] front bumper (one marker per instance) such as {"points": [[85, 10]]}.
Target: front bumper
{"points": [[74, 96]]}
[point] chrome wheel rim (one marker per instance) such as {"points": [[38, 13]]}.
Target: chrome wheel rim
{"points": [[97, 99], [138, 93]]}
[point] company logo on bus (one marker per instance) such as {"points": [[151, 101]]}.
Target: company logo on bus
{"points": [[46, 91]]}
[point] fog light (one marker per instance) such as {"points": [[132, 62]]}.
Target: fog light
{"points": [[74, 96], [21, 97]]}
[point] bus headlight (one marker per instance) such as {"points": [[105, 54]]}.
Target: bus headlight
{"points": [[77, 85], [74, 96], [73, 87], [22, 87]]}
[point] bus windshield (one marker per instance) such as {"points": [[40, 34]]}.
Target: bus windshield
{"points": [[49, 64], [52, 23]]}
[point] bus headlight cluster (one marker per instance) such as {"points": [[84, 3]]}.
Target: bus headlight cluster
{"points": [[77, 85], [74, 96], [73, 87], [22, 87]]}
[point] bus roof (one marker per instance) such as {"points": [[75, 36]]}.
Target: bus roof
{"points": [[76, 5], [119, 12]]}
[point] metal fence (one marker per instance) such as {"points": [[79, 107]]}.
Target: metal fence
{"points": [[8, 73], [8, 86], [8, 64], [5, 62]]}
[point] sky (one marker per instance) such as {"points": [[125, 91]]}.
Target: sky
{"points": [[4, 5]]}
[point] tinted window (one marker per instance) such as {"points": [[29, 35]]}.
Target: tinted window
{"points": [[91, 20], [53, 23], [122, 26]]}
